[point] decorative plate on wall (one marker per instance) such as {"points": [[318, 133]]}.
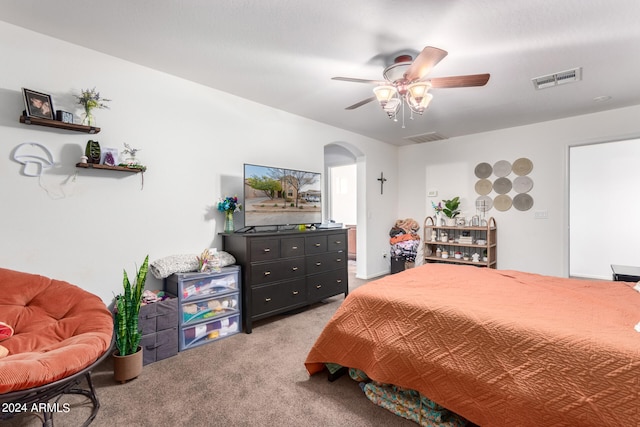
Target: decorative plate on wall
{"points": [[522, 202], [483, 187], [502, 185], [483, 170], [502, 202], [522, 166], [501, 168], [522, 184]]}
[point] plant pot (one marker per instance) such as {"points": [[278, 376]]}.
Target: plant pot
{"points": [[450, 222], [127, 367]]}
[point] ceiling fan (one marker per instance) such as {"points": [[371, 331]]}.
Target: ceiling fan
{"points": [[407, 80]]}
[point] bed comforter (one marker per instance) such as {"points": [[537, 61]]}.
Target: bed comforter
{"points": [[500, 348]]}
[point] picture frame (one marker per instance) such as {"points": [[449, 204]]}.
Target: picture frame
{"points": [[109, 156], [37, 104]]}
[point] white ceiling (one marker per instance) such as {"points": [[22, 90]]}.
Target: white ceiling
{"points": [[283, 53]]}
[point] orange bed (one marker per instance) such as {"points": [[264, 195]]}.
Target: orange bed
{"points": [[500, 348]]}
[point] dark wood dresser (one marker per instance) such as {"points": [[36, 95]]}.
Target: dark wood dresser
{"points": [[286, 270]]}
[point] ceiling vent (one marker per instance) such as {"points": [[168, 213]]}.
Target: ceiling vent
{"points": [[426, 137], [563, 77]]}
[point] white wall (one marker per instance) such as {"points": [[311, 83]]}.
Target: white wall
{"points": [[85, 226], [524, 243]]}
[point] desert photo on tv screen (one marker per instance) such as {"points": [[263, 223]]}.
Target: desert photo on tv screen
{"points": [[279, 196]]}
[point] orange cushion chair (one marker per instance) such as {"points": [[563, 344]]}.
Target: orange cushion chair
{"points": [[59, 331]]}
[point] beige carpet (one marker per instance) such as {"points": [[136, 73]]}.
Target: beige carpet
{"points": [[256, 379]]}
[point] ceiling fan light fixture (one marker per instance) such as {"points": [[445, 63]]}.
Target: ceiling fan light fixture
{"points": [[391, 107], [384, 94], [418, 97], [421, 105]]}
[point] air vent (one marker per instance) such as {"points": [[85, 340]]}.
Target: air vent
{"points": [[561, 78], [426, 137]]}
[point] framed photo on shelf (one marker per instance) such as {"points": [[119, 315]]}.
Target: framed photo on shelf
{"points": [[37, 104], [109, 156]]}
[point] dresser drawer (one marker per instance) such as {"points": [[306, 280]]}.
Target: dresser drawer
{"points": [[324, 285], [264, 249], [291, 247], [209, 309], [194, 286], [324, 262], [265, 299], [315, 244], [265, 272], [210, 331], [337, 242]]}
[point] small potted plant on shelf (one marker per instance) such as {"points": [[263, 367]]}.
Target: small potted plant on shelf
{"points": [[451, 210], [127, 358]]}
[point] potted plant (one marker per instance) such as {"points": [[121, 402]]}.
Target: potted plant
{"points": [[127, 358], [451, 210]]}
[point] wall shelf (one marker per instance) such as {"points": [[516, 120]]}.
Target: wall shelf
{"points": [[58, 124], [107, 167]]}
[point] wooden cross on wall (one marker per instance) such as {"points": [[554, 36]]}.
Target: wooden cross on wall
{"points": [[382, 180]]}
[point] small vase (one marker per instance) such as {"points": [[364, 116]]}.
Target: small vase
{"points": [[88, 119], [228, 221]]}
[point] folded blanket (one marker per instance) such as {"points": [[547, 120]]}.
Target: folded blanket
{"points": [[165, 267]]}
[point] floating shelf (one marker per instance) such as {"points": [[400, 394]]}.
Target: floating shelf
{"points": [[107, 167], [57, 124]]}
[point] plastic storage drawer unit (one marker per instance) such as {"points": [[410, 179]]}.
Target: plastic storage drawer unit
{"points": [[209, 305]]}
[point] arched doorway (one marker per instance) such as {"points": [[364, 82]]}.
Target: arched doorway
{"points": [[344, 167]]}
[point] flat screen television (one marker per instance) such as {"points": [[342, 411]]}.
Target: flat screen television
{"points": [[279, 197]]}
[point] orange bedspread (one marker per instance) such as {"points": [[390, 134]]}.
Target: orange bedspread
{"points": [[500, 348]]}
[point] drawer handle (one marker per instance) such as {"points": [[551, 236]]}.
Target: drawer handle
{"points": [[294, 268], [294, 247], [318, 264], [318, 286], [338, 242], [296, 292], [267, 273], [338, 259], [267, 250], [267, 299], [339, 281], [317, 245]]}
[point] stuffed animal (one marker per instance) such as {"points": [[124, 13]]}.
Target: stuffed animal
{"points": [[6, 331]]}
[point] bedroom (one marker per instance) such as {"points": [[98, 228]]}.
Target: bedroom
{"points": [[194, 139]]}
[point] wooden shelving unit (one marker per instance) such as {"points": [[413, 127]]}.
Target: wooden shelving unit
{"points": [[487, 233], [107, 167], [59, 125]]}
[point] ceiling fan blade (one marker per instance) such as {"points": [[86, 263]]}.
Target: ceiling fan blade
{"points": [[351, 79], [361, 103], [460, 81], [424, 62]]}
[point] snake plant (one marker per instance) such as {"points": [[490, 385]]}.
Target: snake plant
{"points": [[128, 303]]}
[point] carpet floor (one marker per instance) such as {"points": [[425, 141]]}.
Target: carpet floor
{"points": [[256, 379]]}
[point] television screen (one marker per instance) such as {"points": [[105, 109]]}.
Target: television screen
{"points": [[277, 196]]}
